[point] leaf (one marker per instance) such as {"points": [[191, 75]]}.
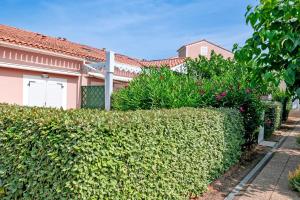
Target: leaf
{"points": [[289, 76], [298, 92]]}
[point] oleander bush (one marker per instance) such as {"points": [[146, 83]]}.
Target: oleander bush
{"points": [[228, 91], [214, 82], [87, 154], [155, 89], [273, 117], [228, 83]]}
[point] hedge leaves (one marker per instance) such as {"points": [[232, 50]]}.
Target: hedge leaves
{"points": [[87, 154]]}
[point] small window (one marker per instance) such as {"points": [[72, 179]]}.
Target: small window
{"points": [[204, 51]]}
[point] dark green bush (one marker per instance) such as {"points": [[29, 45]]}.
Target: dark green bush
{"points": [[278, 114], [285, 99], [157, 88], [273, 117], [88, 154]]}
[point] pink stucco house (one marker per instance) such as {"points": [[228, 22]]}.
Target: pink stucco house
{"points": [[39, 70], [204, 48]]}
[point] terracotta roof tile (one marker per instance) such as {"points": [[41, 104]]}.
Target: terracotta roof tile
{"points": [[40, 41], [62, 45], [171, 62], [59, 45]]}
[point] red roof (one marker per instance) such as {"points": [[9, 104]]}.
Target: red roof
{"points": [[62, 45], [171, 62]]}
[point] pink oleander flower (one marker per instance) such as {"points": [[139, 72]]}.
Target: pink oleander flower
{"points": [[219, 97], [223, 94], [242, 109]]}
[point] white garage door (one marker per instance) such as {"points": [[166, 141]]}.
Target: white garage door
{"points": [[48, 92]]}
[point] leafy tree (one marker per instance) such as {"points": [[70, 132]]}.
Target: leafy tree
{"points": [[274, 44]]}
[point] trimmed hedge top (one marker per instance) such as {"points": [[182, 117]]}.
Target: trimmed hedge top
{"points": [[88, 154]]}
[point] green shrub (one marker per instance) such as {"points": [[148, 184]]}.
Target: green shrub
{"points": [[89, 154], [227, 91], [203, 68], [294, 179], [157, 88], [285, 99], [273, 117], [269, 119], [278, 114], [228, 83], [287, 107], [208, 83]]}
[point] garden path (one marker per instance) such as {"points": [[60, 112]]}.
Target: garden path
{"points": [[272, 182]]}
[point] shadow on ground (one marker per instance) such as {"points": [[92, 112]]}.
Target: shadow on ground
{"points": [[272, 182]]}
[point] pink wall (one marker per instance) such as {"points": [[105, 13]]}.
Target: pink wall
{"points": [[95, 81], [11, 86], [38, 60], [118, 85], [193, 50]]}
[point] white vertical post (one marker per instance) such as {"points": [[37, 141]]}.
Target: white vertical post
{"points": [[261, 134], [109, 71]]}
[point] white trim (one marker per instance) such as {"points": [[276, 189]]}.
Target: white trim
{"points": [[118, 78], [121, 66], [122, 78], [35, 50], [31, 68], [128, 68], [97, 75], [95, 65], [179, 68]]}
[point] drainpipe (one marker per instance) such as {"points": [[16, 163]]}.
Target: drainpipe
{"points": [[109, 71]]}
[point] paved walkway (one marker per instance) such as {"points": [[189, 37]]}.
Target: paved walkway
{"points": [[272, 182]]}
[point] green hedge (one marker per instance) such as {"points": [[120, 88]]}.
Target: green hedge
{"points": [[88, 154], [273, 117]]}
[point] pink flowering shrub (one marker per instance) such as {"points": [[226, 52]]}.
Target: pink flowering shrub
{"points": [[226, 83], [229, 92], [208, 83]]}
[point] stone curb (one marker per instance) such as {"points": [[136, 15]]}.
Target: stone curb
{"points": [[252, 174]]}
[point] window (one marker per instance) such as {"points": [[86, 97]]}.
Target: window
{"points": [[203, 51]]}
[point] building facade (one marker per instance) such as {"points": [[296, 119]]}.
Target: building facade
{"points": [[203, 48], [39, 70]]}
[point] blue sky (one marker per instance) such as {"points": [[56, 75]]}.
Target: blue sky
{"points": [[150, 29]]}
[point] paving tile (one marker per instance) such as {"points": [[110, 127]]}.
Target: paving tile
{"points": [[272, 182]]}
